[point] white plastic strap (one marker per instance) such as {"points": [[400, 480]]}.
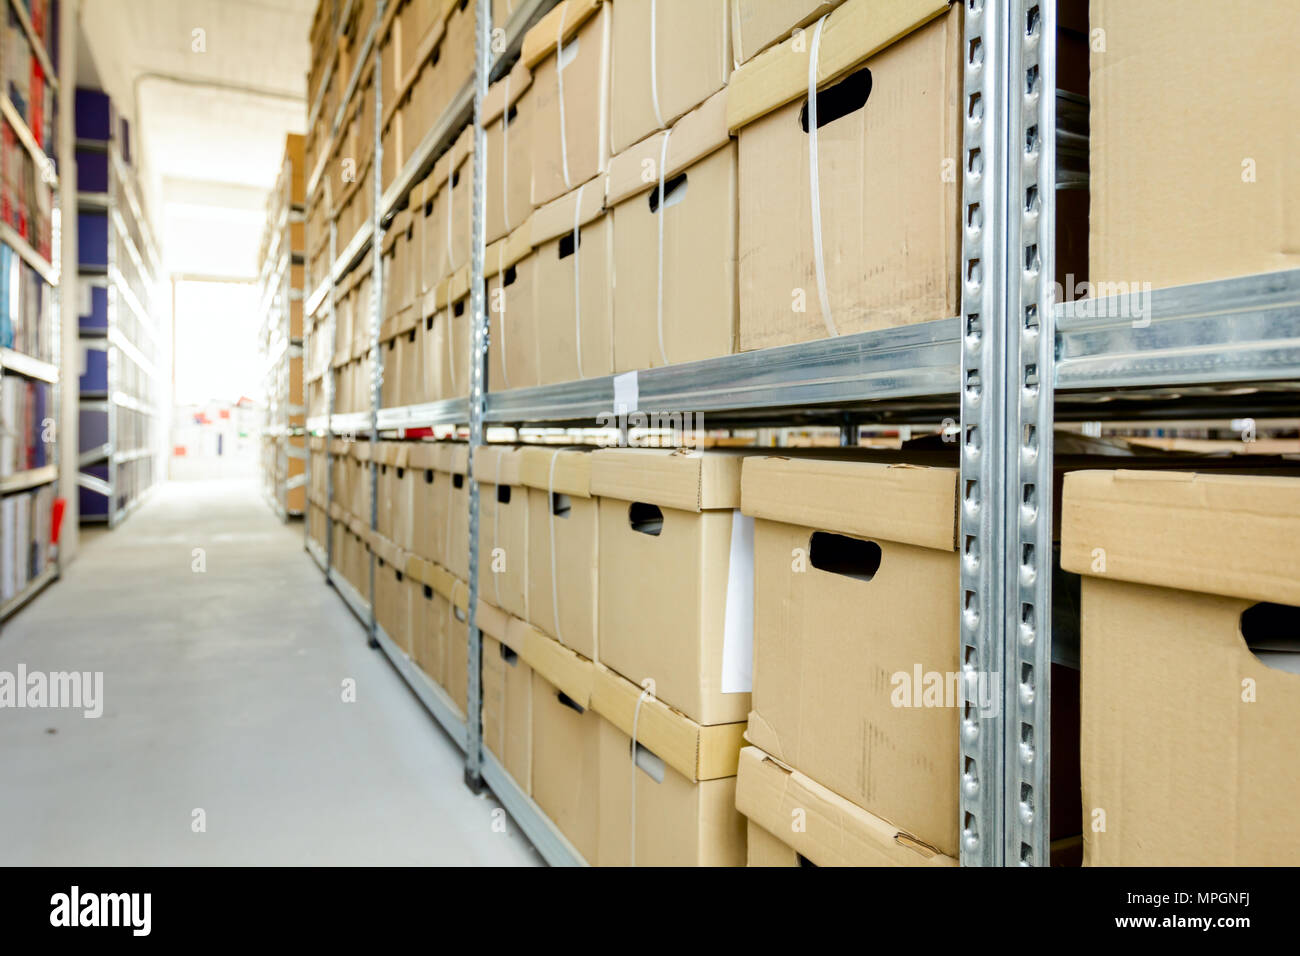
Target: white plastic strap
{"points": [[505, 158], [577, 279], [636, 718], [559, 85], [663, 212], [505, 309], [654, 66], [814, 180], [496, 527], [550, 510]]}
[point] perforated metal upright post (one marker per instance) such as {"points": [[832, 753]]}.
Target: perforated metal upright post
{"points": [[982, 429], [1031, 230], [376, 301], [478, 390]]}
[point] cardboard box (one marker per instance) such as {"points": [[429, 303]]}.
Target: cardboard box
{"points": [[392, 596], [650, 815], [459, 325], [757, 24], [438, 221], [507, 126], [502, 529], [691, 49], [818, 824], [393, 499], [1190, 584], [566, 766], [453, 459], [1197, 94], [563, 544], [763, 849], [512, 338], [428, 501], [573, 299], [889, 112], [429, 88], [457, 60], [856, 641], [570, 104], [681, 307], [460, 187], [508, 710], [427, 621], [669, 556], [431, 342]]}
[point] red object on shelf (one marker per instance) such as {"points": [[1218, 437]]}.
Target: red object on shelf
{"points": [[56, 519]]}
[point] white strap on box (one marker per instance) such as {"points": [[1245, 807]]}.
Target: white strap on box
{"points": [[636, 718], [550, 511], [559, 85], [663, 212], [505, 155], [505, 308], [577, 279], [814, 183], [496, 527], [654, 66]]}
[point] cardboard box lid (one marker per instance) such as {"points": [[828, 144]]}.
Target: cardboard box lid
{"points": [[694, 136], [393, 453], [910, 504], [317, 442], [853, 32], [336, 511], [434, 575], [563, 22], [453, 457], [441, 168], [407, 319], [685, 479], [360, 450], [457, 286], [462, 150], [1231, 535], [556, 218], [695, 751], [506, 91], [509, 251], [497, 464], [494, 622], [836, 832], [422, 455], [338, 447], [432, 37], [571, 474], [397, 230], [560, 666]]}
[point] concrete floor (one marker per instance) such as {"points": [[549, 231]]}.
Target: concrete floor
{"points": [[222, 692]]}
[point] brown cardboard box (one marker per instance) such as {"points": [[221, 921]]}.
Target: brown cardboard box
{"points": [[573, 288], [695, 229], [392, 596], [420, 207], [429, 89], [888, 144], [570, 105], [502, 529], [431, 342], [667, 547], [1196, 94], [508, 710], [559, 665], [459, 325], [507, 124], [453, 457], [438, 220], [566, 766], [427, 621], [690, 43], [650, 815], [820, 825], [393, 511], [512, 340], [456, 673], [460, 186], [428, 499], [855, 620], [1190, 756], [757, 24], [457, 60], [763, 849], [563, 544]]}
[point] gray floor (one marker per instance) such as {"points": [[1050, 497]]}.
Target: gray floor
{"points": [[222, 692]]}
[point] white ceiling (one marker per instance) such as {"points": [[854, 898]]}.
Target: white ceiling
{"points": [[215, 85]]}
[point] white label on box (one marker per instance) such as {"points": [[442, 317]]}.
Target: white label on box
{"points": [[627, 396], [738, 619]]}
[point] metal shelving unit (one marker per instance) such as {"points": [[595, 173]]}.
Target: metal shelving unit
{"points": [[12, 361], [131, 340], [283, 429], [1010, 367]]}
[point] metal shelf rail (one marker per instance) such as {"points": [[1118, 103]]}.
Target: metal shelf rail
{"points": [[1009, 367], [13, 362]]}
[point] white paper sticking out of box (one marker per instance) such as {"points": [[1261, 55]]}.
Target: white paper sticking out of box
{"points": [[627, 397]]}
